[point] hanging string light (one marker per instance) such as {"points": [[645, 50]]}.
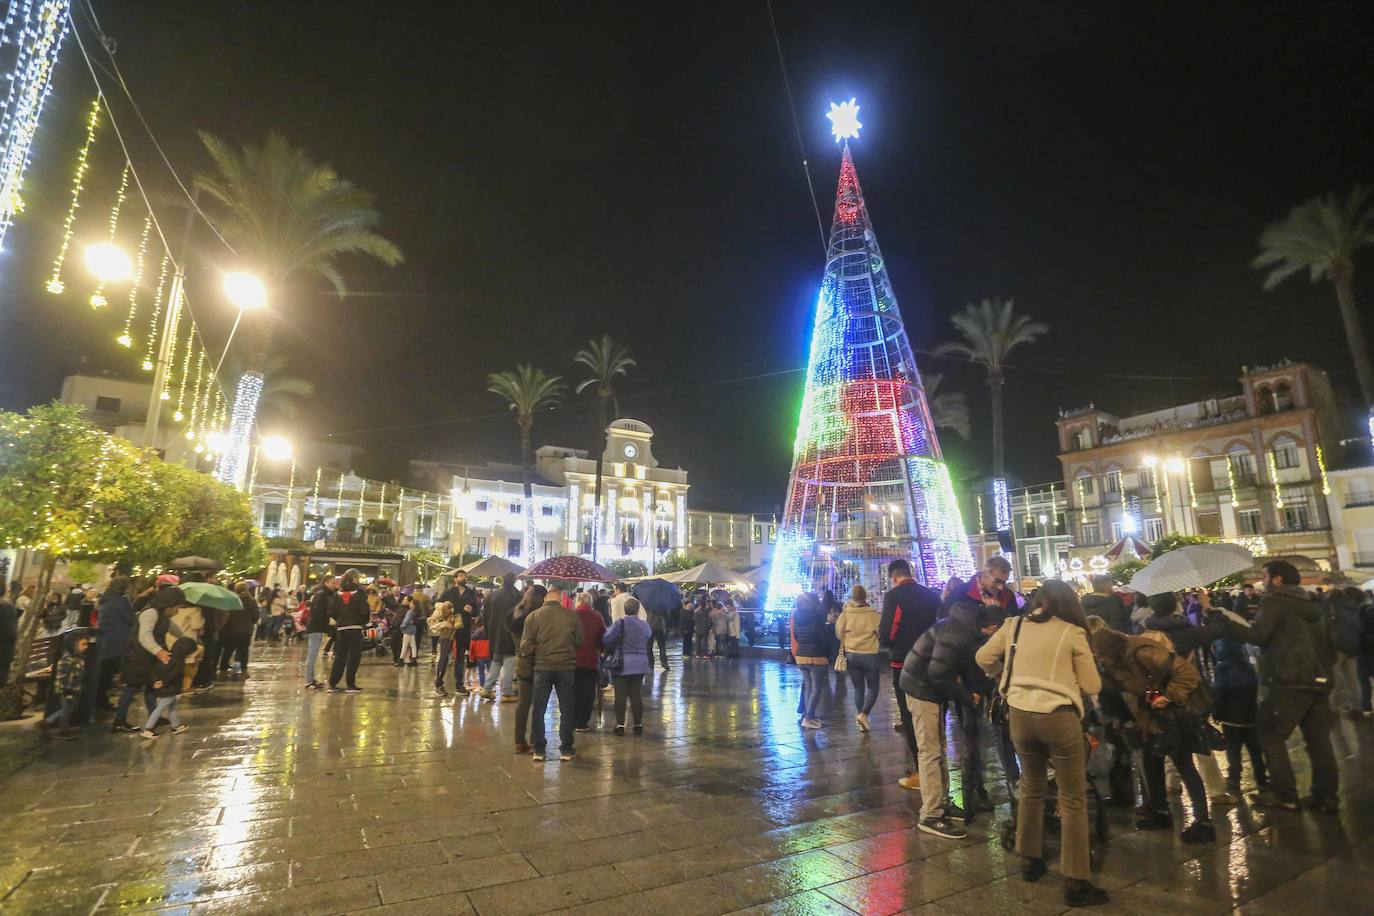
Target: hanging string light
{"points": [[195, 400], [180, 414], [362, 503], [125, 339], [253, 473], [147, 364], [338, 500], [315, 496], [1192, 494], [1321, 466], [55, 284], [290, 486], [98, 299], [381, 502], [1231, 481], [1274, 476]]}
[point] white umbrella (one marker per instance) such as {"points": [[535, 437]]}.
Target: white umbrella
{"points": [[1368, 585], [709, 574], [491, 567], [294, 582], [270, 580], [1194, 566]]}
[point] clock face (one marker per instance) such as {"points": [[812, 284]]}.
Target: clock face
{"points": [[630, 450]]}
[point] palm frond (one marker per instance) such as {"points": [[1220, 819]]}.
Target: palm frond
{"points": [[948, 409], [1319, 236], [527, 389], [991, 329]]}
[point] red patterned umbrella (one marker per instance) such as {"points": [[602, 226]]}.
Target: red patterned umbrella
{"points": [[574, 569]]}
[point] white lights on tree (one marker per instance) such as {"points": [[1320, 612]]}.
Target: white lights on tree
{"points": [[844, 120], [234, 462], [31, 36], [1001, 503]]}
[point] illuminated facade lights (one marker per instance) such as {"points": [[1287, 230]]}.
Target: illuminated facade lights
{"points": [[31, 34], [1321, 467], [246, 396], [98, 299], [864, 434]]}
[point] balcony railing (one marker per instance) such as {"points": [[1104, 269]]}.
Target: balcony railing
{"points": [[366, 539], [1365, 560], [1356, 500]]}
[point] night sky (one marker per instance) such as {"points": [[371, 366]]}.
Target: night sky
{"points": [[557, 171]]}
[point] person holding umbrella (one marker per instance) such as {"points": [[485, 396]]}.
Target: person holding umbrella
{"points": [[147, 647]]}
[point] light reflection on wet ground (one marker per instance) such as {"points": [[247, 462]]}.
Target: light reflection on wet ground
{"points": [[279, 800]]}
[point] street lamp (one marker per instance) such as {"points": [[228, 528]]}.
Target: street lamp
{"points": [[245, 290], [276, 448], [108, 262], [1174, 465]]}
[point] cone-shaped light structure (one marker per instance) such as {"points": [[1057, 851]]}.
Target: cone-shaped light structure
{"points": [[868, 482]]}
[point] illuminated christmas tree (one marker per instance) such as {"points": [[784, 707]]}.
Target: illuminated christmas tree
{"points": [[869, 484]]}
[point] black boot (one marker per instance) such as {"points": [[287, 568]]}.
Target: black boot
{"points": [[1032, 870], [1078, 892]]}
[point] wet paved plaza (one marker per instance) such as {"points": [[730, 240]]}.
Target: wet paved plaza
{"points": [[281, 800]]}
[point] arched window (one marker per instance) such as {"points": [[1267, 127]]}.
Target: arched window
{"points": [[1079, 442], [1286, 453], [1265, 398], [1283, 396]]}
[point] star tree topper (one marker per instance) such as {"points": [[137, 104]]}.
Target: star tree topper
{"points": [[844, 120]]}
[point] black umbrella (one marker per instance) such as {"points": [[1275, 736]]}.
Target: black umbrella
{"points": [[657, 595]]}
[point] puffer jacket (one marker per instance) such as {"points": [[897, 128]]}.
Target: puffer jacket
{"points": [[324, 607], [857, 628], [551, 636], [1293, 632], [941, 664], [1110, 608], [808, 629], [1345, 624], [1186, 637]]}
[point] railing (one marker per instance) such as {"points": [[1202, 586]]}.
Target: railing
{"points": [[367, 538], [1364, 559], [1355, 501]]}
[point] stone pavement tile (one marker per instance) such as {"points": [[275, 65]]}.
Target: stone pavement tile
{"points": [[57, 897], [1008, 895], [698, 897], [681, 865], [316, 900], [196, 887], [94, 870], [803, 904], [428, 881], [886, 850], [872, 821], [708, 829], [192, 838], [1143, 899], [983, 861], [893, 890], [79, 832], [540, 895], [284, 848], [552, 860], [784, 877], [391, 833], [786, 841], [445, 905], [1336, 886], [365, 862], [1232, 874]]}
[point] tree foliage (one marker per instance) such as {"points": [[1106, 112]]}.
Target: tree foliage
{"points": [[1122, 570], [677, 561], [627, 569]]}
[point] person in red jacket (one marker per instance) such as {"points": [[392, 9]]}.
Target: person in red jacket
{"points": [[909, 609], [587, 675]]}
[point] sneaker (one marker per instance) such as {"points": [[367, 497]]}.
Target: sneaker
{"points": [[147, 733], [353, 690], [1078, 892], [1032, 870], [1224, 798], [487, 694], [583, 728], [1266, 798], [811, 723], [333, 689], [639, 729], [68, 734], [620, 731], [178, 729], [956, 814], [861, 720], [538, 756], [521, 747], [567, 755], [1199, 832], [912, 782], [313, 685], [119, 727], [941, 827], [439, 691]]}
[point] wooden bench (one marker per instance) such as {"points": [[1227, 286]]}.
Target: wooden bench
{"points": [[38, 666]]}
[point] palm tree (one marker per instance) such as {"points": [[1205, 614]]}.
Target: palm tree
{"points": [[607, 360], [283, 393], [948, 409], [1322, 236], [528, 390], [285, 216], [991, 329]]}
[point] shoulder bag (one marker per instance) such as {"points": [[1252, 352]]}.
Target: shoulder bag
{"points": [[997, 708]]}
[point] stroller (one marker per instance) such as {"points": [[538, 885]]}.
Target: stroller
{"points": [[1097, 811]]}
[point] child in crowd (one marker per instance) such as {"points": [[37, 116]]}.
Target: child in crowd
{"points": [[479, 652], [170, 675], [68, 679]]}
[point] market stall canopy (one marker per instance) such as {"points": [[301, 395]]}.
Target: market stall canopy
{"points": [[573, 569], [708, 574], [1128, 545], [195, 563], [491, 567], [759, 574], [206, 594], [1194, 566]]}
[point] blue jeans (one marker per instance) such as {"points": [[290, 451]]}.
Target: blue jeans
{"points": [[502, 668], [814, 682], [63, 716], [166, 708], [544, 683], [863, 676], [312, 654]]}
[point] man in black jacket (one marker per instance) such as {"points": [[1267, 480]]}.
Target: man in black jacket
{"points": [[350, 618], [496, 617], [939, 669], [1293, 631], [1104, 602], [909, 609], [324, 606]]}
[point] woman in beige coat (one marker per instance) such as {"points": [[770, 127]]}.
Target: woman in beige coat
{"points": [[857, 630]]}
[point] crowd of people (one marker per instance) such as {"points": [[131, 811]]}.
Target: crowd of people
{"points": [[1168, 678]]}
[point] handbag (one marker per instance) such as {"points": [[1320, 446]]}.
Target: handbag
{"points": [[1180, 729], [997, 707], [614, 655], [841, 661]]}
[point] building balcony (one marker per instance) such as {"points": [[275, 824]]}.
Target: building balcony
{"points": [[1364, 560], [367, 539], [1359, 501]]}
